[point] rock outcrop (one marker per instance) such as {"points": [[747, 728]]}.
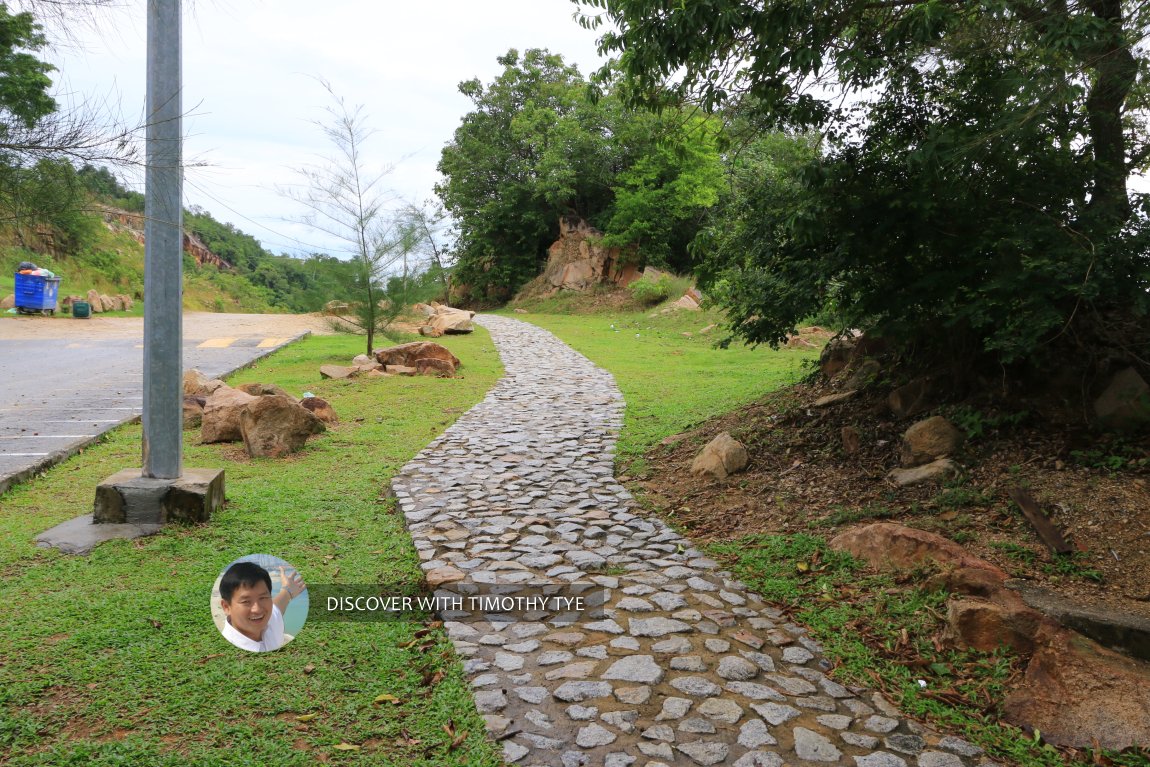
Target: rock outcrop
{"points": [[576, 261], [407, 355], [1125, 403]]}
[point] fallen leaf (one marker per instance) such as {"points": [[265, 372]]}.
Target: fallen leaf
{"points": [[385, 698], [306, 717], [207, 658], [346, 747], [309, 668], [458, 741]]}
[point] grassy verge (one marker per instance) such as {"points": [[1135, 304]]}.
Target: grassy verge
{"points": [[113, 658], [670, 372]]}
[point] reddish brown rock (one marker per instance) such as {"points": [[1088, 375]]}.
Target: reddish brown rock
{"points": [[929, 440], [196, 384], [887, 545], [442, 575], [320, 408], [935, 471], [440, 368], [850, 438], [448, 320], [8, 302], [972, 581], [836, 355], [222, 415], [911, 399], [400, 370], [408, 354], [429, 331], [275, 425], [1077, 692], [1004, 620]]}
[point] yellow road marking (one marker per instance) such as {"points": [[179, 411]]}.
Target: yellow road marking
{"points": [[267, 343], [217, 343]]}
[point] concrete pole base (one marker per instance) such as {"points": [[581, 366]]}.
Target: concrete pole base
{"points": [[129, 505]]}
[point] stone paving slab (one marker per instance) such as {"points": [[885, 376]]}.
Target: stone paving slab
{"points": [[683, 666]]}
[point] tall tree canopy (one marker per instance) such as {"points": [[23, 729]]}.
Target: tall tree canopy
{"points": [[537, 146], [973, 170]]}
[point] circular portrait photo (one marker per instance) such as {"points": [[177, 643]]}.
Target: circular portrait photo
{"points": [[259, 603]]}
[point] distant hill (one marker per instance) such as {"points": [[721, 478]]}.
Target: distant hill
{"points": [[98, 243]]}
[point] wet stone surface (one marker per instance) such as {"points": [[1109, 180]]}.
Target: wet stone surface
{"points": [[682, 665]]}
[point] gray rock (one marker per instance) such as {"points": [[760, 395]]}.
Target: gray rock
{"points": [[513, 752], [656, 749], [765, 662], [625, 643], [862, 741], [577, 692], [634, 696], [718, 646], [879, 759], [939, 759], [635, 605], [535, 695], [735, 668], [489, 702], [574, 759], [905, 743], [775, 713], [697, 726], [696, 686], [605, 626], [688, 663], [508, 662], [754, 733], [669, 601], [704, 752], [834, 721], [797, 655], [755, 691], [624, 720], [582, 713], [662, 732], [618, 759], [636, 668], [594, 735], [674, 708], [814, 747], [656, 627], [721, 710], [880, 724], [673, 646], [959, 746], [759, 759]]}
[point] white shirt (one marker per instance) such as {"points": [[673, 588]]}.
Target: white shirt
{"points": [[273, 636]]}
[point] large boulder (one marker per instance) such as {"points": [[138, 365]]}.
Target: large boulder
{"points": [[1079, 694], [837, 354], [276, 425], [1002, 619], [95, 303], [222, 413], [125, 301], [1125, 403], [432, 367], [929, 440], [447, 320], [407, 355], [912, 398], [8, 302], [723, 456], [107, 302], [578, 261], [887, 545], [196, 384]]}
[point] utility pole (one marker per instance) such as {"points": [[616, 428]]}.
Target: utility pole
{"points": [[163, 248]]}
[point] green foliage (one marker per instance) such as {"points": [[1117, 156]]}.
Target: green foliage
{"points": [[24, 86], [977, 423], [649, 292], [974, 195], [537, 146]]}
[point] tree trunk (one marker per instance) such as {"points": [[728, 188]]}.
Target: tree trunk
{"points": [[1115, 72]]}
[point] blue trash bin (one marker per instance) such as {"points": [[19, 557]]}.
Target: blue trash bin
{"points": [[36, 294]]}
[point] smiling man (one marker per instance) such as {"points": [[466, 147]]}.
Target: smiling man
{"points": [[254, 619]]}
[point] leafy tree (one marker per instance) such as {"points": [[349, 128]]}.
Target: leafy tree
{"points": [[538, 146], [970, 189]]}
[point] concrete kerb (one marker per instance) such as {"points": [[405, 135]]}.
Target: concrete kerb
{"points": [[59, 456]]}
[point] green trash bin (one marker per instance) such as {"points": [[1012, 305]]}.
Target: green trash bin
{"points": [[81, 310]]}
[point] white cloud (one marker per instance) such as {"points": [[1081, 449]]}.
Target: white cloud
{"points": [[252, 97]]}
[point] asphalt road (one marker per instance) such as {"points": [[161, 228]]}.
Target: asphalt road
{"points": [[64, 382]]}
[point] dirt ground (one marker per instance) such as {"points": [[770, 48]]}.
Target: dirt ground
{"points": [[801, 480], [196, 325]]}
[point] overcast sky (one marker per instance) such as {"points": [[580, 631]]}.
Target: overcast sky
{"points": [[251, 93]]}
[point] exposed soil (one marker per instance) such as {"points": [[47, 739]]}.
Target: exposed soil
{"points": [[801, 479]]}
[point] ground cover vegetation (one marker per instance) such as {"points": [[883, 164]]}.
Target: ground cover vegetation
{"points": [[113, 658]]}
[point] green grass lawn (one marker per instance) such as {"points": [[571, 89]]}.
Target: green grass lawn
{"points": [[113, 658], [672, 381]]}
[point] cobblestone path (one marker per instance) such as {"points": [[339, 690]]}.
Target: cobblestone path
{"points": [[686, 667]]}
